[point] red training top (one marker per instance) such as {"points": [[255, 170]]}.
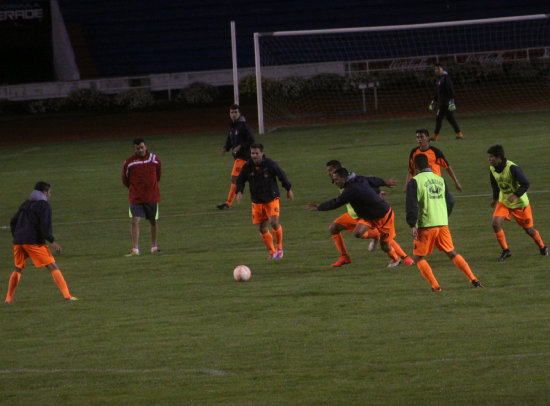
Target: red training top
{"points": [[141, 177]]}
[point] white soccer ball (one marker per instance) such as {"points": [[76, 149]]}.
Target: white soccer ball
{"points": [[242, 273]]}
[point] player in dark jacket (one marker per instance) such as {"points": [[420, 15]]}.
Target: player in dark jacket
{"points": [[444, 101], [239, 140], [31, 227], [262, 173], [361, 193]]}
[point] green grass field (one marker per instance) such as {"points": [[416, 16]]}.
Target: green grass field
{"points": [[176, 329]]}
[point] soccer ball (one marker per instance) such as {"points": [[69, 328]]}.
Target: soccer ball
{"points": [[242, 273]]}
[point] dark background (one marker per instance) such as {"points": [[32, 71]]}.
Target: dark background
{"points": [[141, 37]]}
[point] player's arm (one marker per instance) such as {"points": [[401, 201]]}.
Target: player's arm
{"points": [[518, 175], [125, 179], [411, 204], [495, 188], [241, 180], [454, 178]]}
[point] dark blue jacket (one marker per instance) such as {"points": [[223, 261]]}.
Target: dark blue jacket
{"points": [[363, 195], [240, 133], [262, 180], [444, 90], [32, 224]]}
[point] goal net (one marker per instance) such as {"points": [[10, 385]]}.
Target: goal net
{"points": [[318, 76]]}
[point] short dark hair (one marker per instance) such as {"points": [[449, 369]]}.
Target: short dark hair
{"points": [[421, 161], [138, 141], [235, 107], [342, 172], [423, 131], [334, 163], [42, 186], [257, 146], [496, 150]]}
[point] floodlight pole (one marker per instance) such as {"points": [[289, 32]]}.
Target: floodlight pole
{"points": [[234, 59]]}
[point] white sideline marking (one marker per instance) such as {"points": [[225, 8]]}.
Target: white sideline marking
{"points": [[122, 371]]}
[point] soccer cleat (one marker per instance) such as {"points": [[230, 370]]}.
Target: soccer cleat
{"points": [[373, 243], [343, 260], [476, 284], [280, 254], [393, 264], [459, 137], [505, 254], [434, 137], [408, 261], [275, 255], [132, 253], [544, 251], [438, 289], [223, 206], [156, 250], [71, 299]]}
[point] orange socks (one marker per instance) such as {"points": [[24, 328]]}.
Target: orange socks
{"points": [[398, 250], [278, 234], [232, 194], [427, 273], [340, 245], [14, 281], [60, 282], [501, 238], [538, 240], [392, 255], [267, 238], [461, 264]]}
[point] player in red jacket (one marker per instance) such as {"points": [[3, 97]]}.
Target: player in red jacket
{"points": [[140, 174]]}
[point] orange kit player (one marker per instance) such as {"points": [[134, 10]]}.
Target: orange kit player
{"points": [[427, 216], [349, 221], [262, 174], [436, 160], [239, 140], [369, 206], [31, 227], [510, 186]]}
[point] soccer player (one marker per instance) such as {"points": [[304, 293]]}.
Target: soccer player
{"points": [[31, 227], [239, 140], [349, 220], [436, 160], [141, 175], [262, 173], [510, 186], [443, 100], [369, 206], [427, 216]]}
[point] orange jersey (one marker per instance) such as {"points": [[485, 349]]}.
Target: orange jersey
{"points": [[436, 160]]}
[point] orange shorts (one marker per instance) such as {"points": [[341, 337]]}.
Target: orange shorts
{"points": [[385, 225], [40, 255], [349, 222], [523, 215], [237, 166], [428, 237], [261, 212]]}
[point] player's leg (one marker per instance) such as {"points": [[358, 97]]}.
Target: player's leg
{"points": [[60, 281], [451, 119], [19, 258], [136, 212], [438, 123], [152, 214], [524, 218], [501, 214], [444, 242], [260, 218], [423, 245], [400, 253]]}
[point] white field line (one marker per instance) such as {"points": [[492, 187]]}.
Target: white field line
{"points": [[210, 213], [117, 371], [219, 372]]}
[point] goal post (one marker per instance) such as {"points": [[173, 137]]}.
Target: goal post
{"points": [[319, 76]]}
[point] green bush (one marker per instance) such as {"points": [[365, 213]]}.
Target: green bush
{"points": [[88, 100], [198, 93], [135, 99]]}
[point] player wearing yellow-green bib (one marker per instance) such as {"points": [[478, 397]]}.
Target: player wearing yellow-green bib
{"points": [[427, 216], [510, 185]]}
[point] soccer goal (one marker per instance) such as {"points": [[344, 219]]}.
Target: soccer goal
{"points": [[330, 75]]}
